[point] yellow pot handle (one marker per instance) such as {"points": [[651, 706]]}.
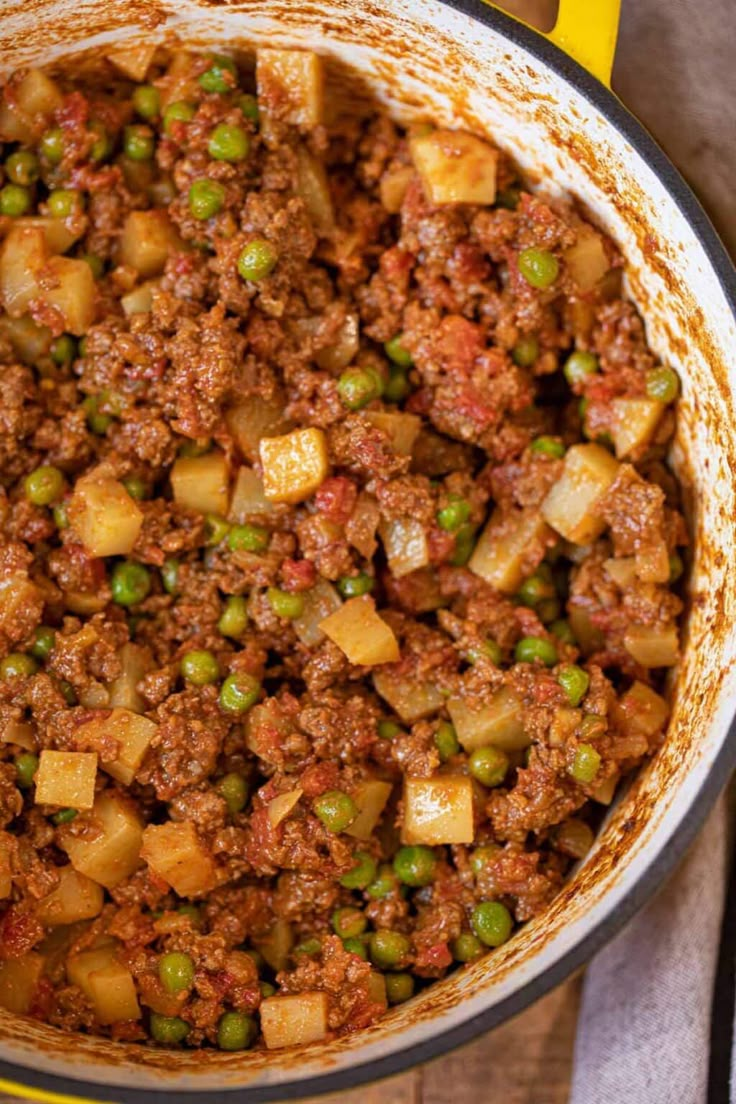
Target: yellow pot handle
{"points": [[587, 31]]}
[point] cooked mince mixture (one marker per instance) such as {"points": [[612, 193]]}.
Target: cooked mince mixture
{"points": [[336, 558]]}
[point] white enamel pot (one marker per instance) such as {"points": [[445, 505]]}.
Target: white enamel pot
{"points": [[466, 64]]}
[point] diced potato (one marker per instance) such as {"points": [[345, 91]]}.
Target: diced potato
{"points": [[295, 1019], [401, 429], [590, 638], [73, 293], [570, 505], [405, 545], [200, 483], [290, 86], [175, 852], [18, 733], [250, 421], [180, 81], [392, 188], [81, 966], [56, 232], [248, 497], [563, 725], [362, 525], [280, 807], [653, 563], [7, 849], [36, 98], [621, 570], [438, 810], [276, 945], [114, 853], [113, 994], [633, 424], [66, 778], [503, 547], [133, 61], [18, 596], [641, 711], [319, 602], [377, 988], [361, 634], [313, 187], [133, 734], [140, 299], [335, 357], [29, 341], [294, 465], [586, 261], [136, 662], [499, 723], [104, 517], [19, 978], [22, 257], [75, 898], [147, 240], [80, 602], [455, 167], [412, 700], [606, 791], [652, 647], [370, 799]]}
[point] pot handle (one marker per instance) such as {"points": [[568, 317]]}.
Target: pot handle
{"points": [[587, 31]]}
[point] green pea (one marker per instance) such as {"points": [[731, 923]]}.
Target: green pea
{"points": [[464, 545], [537, 587], [356, 947], [397, 386], [508, 198], [200, 667], [206, 198], [539, 267], [348, 923], [139, 143], [95, 263], [234, 618], [467, 947], [578, 366], [353, 586], [135, 487], [130, 583], [228, 143], [676, 567], [362, 874], [168, 1029], [388, 730], [384, 885], [488, 765], [97, 422], [574, 681], [248, 538], [248, 104], [387, 948], [64, 816], [26, 765], [170, 575], [14, 200], [44, 485], [548, 446], [63, 202], [454, 515], [236, 1031], [533, 648], [257, 260], [592, 727], [359, 386], [176, 971], [215, 530], [487, 649], [662, 384], [311, 946], [22, 168], [399, 988], [61, 521], [549, 610], [482, 857], [102, 146], [415, 866], [335, 809], [239, 692], [561, 629], [222, 75], [586, 764], [267, 989], [285, 605], [192, 911], [233, 788], [396, 352], [53, 145], [492, 923], [67, 692], [446, 741], [43, 642], [63, 350], [525, 351], [147, 101], [18, 665], [179, 112]]}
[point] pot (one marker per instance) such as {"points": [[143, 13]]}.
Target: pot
{"points": [[467, 64]]}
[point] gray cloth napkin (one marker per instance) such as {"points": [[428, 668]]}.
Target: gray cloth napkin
{"points": [[644, 1032]]}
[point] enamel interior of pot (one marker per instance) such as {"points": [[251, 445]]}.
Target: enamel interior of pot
{"points": [[423, 58]]}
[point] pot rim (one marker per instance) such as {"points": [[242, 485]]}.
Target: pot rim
{"points": [[60, 1089]]}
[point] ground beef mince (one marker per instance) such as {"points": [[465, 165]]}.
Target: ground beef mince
{"points": [[337, 550]]}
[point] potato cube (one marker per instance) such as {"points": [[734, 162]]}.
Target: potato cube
{"points": [[319, 602], [36, 98], [66, 778], [586, 261], [113, 994], [200, 483], [81, 966], [75, 898], [622, 570], [133, 61], [412, 700], [250, 421], [29, 341], [401, 429], [294, 1020], [455, 167], [634, 422], [505, 544], [570, 505], [361, 634], [438, 810], [314, 189], [140, 299], [588, 636], [22, 258], [280, 807], [19, 733], [651, 646], [641, 711], [370, 799], [20, 599], [19, 978], [104, 517], [276, 944], [73, 293], [133, 734], [56, 233], [393, 187], [377, 989], [405, 545], [136, 662], [294, 465], [290, 86], [147, 240], [653, 563], [175, 852], [114, 853], [499, 723], [248, 498]]}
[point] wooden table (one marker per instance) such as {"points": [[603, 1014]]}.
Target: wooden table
{"points": [[674, 69]]}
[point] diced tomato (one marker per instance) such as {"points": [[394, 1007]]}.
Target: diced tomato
{"points": [[298, 575], [336, 498]]}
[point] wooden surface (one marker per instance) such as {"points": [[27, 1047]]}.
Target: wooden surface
{"points": [[675, 70]]}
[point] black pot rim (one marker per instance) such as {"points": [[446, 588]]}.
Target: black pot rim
{"points": [[447, 1039]]}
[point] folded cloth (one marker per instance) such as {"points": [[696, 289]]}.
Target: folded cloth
{"points": [[645, 1027]]}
